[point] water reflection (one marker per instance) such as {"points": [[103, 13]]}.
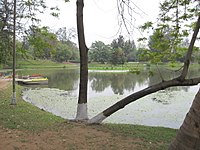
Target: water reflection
{"points": [[64, 79], [165, 108], [118, 82], [104, 83]]}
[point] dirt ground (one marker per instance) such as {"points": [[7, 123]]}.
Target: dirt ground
{"points": [[76, 137], [4, 83]]}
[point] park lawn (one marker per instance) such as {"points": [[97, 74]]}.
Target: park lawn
{"points": [[30, 122], [130, 66], [37, 64], [43, 64], [23, 116]]}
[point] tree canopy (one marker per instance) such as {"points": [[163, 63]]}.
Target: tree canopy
{"points": [[118, 52]]}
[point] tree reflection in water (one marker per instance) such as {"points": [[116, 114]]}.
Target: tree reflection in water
{"points": [[120, 83]]}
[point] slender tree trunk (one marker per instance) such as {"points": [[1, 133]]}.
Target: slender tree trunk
{"points": [[190, 49], [188, 136], [13, 100], [82, 99]]}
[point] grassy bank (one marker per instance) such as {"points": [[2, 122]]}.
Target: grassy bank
{"points": [[37, 64], [151, 137], [23, 116], [43, 64], [26, 117], [134, 66]]}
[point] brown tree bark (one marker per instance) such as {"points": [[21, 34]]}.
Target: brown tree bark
{"points": [[188, 136], [190, 49], [82, 99]]}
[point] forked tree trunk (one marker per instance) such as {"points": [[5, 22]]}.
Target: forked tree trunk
{"points": [[188, 136], [83, 50]]}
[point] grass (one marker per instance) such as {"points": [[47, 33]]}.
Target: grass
{"points": [[25, 116], [133, 66], [42, 64], [126, 66], [151, 137]]}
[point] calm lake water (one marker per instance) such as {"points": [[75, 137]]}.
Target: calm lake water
{"points": [[165, 108]]}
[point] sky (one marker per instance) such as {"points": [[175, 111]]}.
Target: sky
{"points": [[101, 18]]}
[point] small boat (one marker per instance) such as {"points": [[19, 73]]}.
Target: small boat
{"points": [[30, 80]]}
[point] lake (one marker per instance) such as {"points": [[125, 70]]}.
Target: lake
{"points": [[165, 108]]}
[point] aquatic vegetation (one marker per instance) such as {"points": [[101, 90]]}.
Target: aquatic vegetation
{"points": [[164, 108]]}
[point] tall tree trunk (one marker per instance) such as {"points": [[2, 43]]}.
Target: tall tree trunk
{"points": [[188, 136], [82, 99]]}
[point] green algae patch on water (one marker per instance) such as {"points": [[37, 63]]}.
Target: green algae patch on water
{"points": [[164, 108]]}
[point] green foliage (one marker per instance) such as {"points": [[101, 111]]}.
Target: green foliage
{"points": [[63, 53], [122, 50], [146, 26], [27, 12], [44, 45], [175, 22], [99, 52], [42, 41], [143, 54], [160, 46], [117, 56], [130, 50], [5, 48], [5, 32], [119, 52]]}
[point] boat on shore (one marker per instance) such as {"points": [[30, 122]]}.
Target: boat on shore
{"points": [[32, 80]]}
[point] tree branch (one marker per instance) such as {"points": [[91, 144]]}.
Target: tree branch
{"points": [[152, 89], [189, 52]]}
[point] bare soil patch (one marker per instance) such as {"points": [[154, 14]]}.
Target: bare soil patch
{"points": [[4, 83], [76, 137]]}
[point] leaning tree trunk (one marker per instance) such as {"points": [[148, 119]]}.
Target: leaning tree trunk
{"points": [[188, 136], [82, 99], [136, 96], [180, 81]]}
